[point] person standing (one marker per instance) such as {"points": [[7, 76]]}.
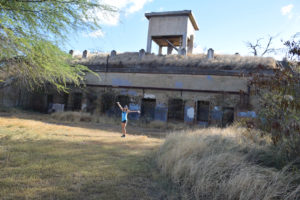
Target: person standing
{"points": [[124, 120]]}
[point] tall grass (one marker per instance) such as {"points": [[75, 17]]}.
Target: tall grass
{"points": [[70, 116], [195, 60], [224, 164]]}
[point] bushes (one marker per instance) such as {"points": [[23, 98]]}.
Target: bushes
{"points": [[279, 110], [223, 164]]}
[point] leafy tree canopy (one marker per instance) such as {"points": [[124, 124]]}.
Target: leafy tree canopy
{"points": [[30, 31]]}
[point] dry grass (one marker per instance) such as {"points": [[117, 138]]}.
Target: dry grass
{"points": [[71, 116], [224, 164], [76, 117], [236, 62], [40, 160]]}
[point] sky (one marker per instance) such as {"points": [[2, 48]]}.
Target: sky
{"points": [[224, 25]]}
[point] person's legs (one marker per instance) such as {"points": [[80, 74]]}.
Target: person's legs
{"points": [[124, 128]]}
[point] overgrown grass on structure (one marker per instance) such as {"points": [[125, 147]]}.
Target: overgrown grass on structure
{"points": [[39, 160], [194, 60], [224, 164]]}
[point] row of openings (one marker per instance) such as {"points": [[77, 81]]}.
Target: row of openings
{"points": [[176, 111], [175, 108]]}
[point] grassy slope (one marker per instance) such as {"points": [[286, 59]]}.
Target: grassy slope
{"points": [[224, 164], [40, 160]]}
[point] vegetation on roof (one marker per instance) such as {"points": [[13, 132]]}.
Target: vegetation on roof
{"points": [[232, 62]]}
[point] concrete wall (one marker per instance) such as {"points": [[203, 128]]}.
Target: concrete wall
{"points": [[220, 91], [13, 96], [161, 109], [9, 97], [190, 29], [168, 25], [172, 81]]}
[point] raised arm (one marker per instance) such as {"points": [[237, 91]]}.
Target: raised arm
{"points": [[134, 111], [118, 103]]}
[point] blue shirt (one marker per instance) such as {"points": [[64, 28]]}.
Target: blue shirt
{"points": [[124, 116]]}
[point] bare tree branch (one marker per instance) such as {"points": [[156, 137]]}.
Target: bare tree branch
{"points": [[268, 49], [257, 46]]}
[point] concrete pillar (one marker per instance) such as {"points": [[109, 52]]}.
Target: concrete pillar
{"points": [[189, 111], [160, 50], [113, 54], [149, 44], [184, 41], [210, 53], [182, 51], [71, 52], [190, 44], [141, 53], [170, 49], [85, 54]]}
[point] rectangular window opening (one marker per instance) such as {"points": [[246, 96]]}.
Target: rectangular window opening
{"points": [[176, 110], [203, 111], [228, 116], [77, 100], [148, 108]]}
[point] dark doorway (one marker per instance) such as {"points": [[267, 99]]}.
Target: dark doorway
{"points": [[49, 101], [176, 110], [77, 100], [228, 116], [203, 111], [66, 98], [108, 102], [148, 108]]}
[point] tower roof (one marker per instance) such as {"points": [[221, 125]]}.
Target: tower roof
{"points": [[175, 13]]}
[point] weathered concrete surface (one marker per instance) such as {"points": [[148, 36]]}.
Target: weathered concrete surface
{"points": [[169, 24], [170, 81]]}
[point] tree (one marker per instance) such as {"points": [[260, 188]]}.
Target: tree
{"points": [[279, 107], [257, 48], [30, 31]]}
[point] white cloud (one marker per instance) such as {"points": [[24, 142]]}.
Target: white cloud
{"points": [[136, 5], [94, 34], [197, 49], [123, 6], [286, 10]]}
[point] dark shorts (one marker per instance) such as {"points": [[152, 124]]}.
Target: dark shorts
{"points": [[124, 121]]}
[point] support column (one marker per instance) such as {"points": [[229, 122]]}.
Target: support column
{"points": [[190, 44], [170, 49], [160, 50], [149, 44], [184, 41]]}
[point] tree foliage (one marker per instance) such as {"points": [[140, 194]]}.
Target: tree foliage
{"points": [[30, 33]]}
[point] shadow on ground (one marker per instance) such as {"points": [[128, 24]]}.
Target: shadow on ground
{"points": [[55, 169]]}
